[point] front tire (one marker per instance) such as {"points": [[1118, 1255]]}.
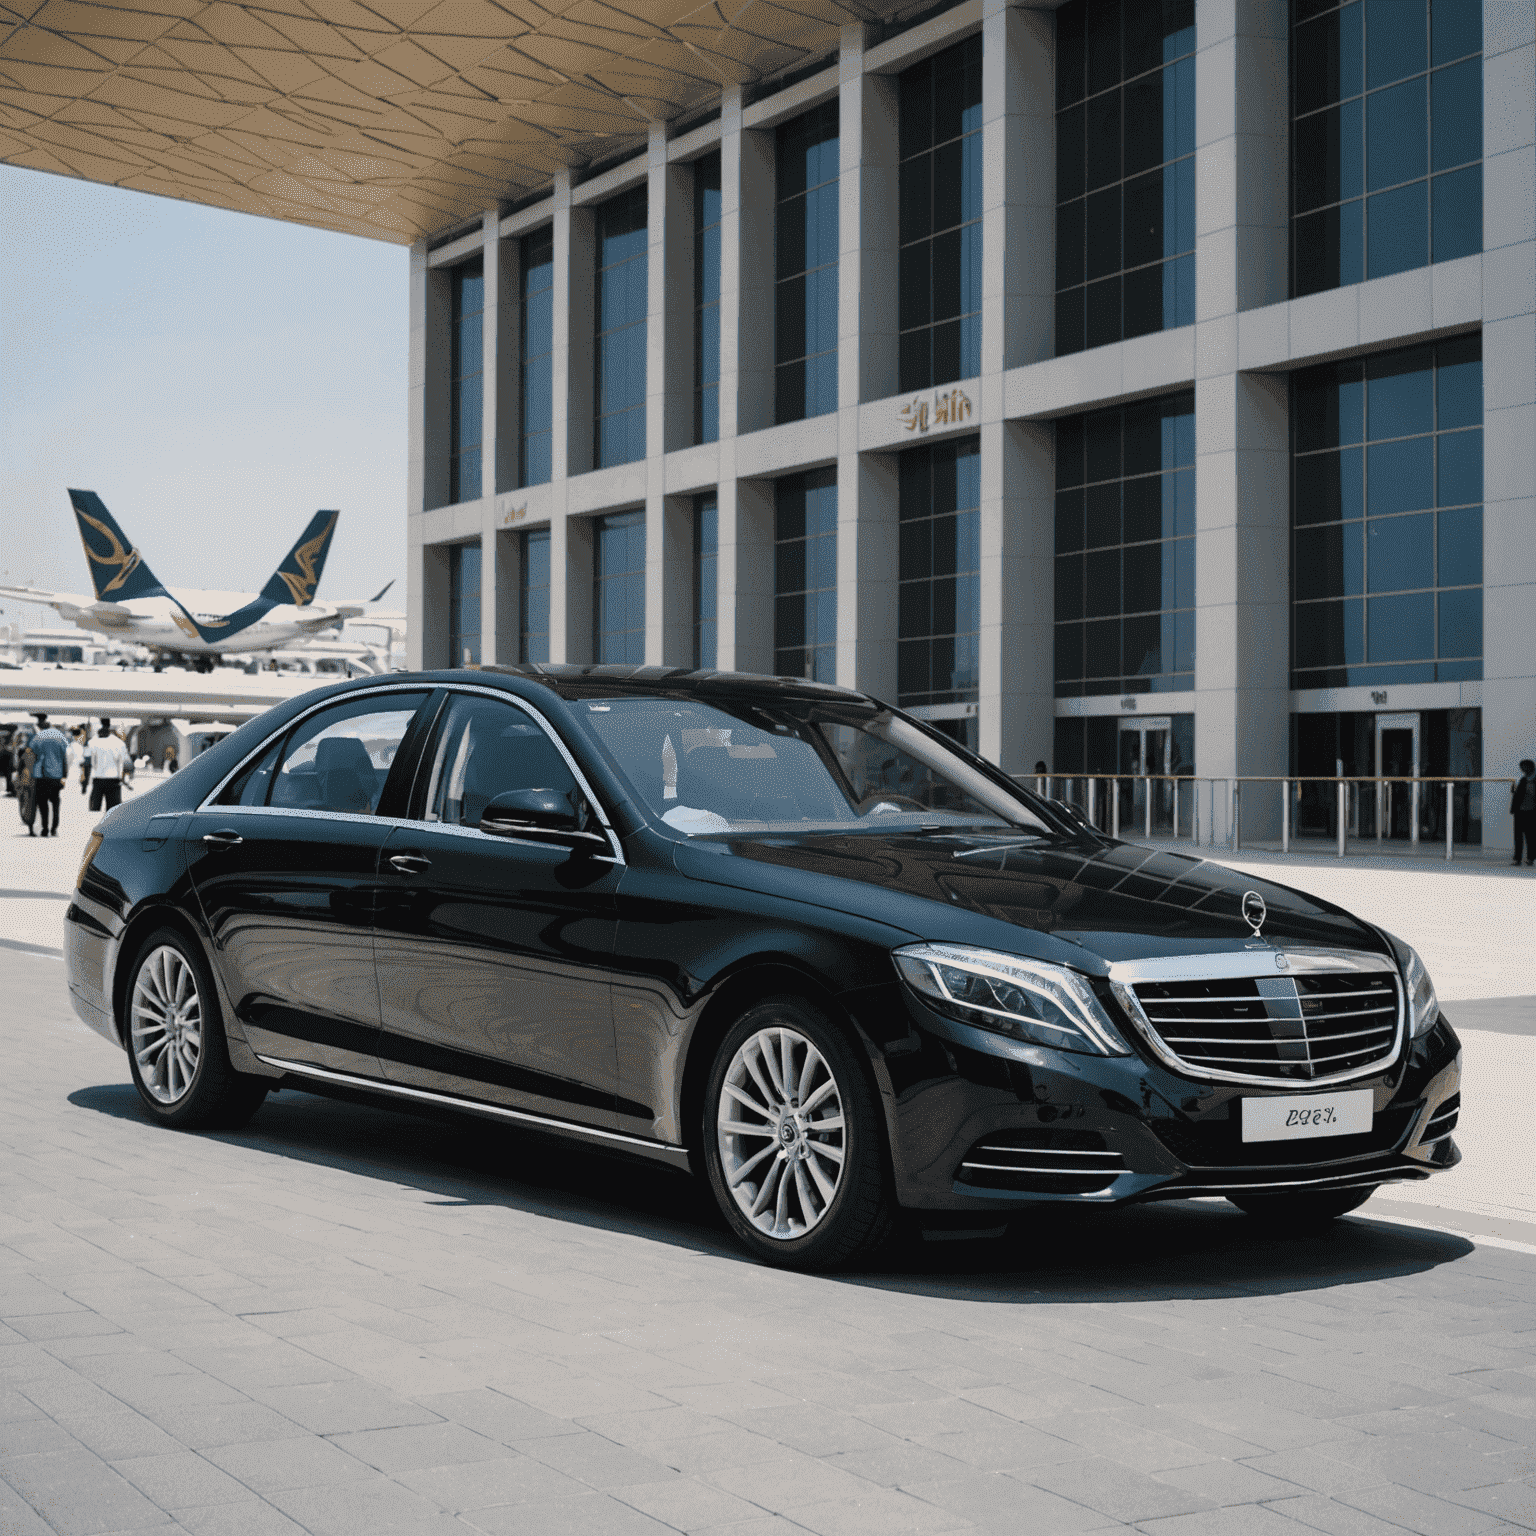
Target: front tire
{"points": [[1296, 1212], [792, 1140], [176, 1048]]}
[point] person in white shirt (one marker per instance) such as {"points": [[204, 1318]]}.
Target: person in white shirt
{"points": [[109, 759], [74, 756]]}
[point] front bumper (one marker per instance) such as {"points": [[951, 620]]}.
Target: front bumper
{"points": [[980, 1123]]}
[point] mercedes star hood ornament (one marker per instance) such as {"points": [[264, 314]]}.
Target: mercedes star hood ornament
{"points": [[1254, 911]]}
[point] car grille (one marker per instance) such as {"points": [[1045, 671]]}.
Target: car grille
{"points": [[1041, 1163], [1276, 1028], [1442, 1122], [1220, 1144]]}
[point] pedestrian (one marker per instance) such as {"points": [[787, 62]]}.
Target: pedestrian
{"points": [[109, 759], [50, 762], [75, 754], [1522, 806], [170, 758], [85, 758], [7, 760]]}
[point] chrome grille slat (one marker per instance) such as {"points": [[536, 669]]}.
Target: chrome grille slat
{"points": [[1319, 1026], [1026, 1168], [1047, 1151]]}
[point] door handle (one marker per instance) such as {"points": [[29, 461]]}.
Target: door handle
{"points": [[219, 841], [410, 863]]}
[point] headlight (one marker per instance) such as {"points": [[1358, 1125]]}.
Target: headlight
{"points": [[1423, 1005], [1025, 999], [92, 844]]}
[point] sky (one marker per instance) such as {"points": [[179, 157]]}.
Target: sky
{"points": [[215, 378]]}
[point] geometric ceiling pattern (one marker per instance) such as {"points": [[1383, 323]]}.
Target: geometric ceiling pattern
{"points": [[393, 119]]}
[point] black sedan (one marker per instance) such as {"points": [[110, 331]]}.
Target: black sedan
{"points": [[775, 932]]}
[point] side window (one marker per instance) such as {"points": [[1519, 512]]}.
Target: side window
{"points": [[250, 785], [484, 748], [339, 759]]}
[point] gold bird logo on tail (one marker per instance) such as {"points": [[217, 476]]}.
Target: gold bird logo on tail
{"points": [[124, 562], [301, 584]]}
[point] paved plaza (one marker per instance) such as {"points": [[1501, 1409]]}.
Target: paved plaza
{"points": [[345, 1319]]}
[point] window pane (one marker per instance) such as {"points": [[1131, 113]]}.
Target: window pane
{"points": [[1400, 628], [1400, 475], [1396, 40], [1400, 393], [1456, 28], [1396, 135], [1328, 59], [1456, 102], [1330, 486], [1330, 248], [1400, 553], [1461, 623], [1457, 213], [1459, 473], [1460, 548]]}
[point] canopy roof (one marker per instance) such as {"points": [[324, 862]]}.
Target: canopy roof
{"points": [[393, 119]]}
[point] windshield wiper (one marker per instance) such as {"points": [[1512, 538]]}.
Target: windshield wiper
{"points": [[1022, 842]]}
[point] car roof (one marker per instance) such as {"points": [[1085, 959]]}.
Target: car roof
{"points": [[569, 681]]}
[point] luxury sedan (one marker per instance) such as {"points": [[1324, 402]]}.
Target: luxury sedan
{"points": [[774, 932]]}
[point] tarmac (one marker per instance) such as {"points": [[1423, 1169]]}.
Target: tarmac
{"points": [[344, 1319]]}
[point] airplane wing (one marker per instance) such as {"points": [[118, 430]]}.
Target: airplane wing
{"points": [[67, 603]]}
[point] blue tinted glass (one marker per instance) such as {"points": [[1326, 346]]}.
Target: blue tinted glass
{"points": [[1459, 473], [1457, 211], [537, 404], [1179, 109], [536, 460], [1179, 291], [1461, 623], [1401, 628], [471, 286], [1330, 407], [1461, 547], [1401, 399], [1397, 230], [1459, 383], [1179, 208], [1455, 28], [1396, 40], [468, 412], [1184, 642], [1396, 135], [1400, 476], [1400, 553], [1330, 486], [538, 322], [1456, 106]]}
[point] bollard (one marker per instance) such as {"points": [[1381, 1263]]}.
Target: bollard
{"points": [[1114, 809], [1449, 810], [1343, 817], [1285, 816], [1149, 784], [1234, 815], [1093, 815]]}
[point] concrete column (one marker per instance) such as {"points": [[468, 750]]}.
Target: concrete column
{"points": [[490, 351], [1018, 179], [499, 578], [868, 506], [1018, 537], [1242, 588], [669, 582], [416, 434], [570, 589], [745, 618], [747, 182], [428, 640], [868, 242], [574, 333], [1242, 161], [436, 343], [1509, 404]]}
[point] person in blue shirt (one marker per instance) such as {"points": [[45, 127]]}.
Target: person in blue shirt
{"points": [[50, 762]]}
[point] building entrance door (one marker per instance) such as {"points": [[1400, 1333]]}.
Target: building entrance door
{"points": [[1397, 757], [1145, 748]]}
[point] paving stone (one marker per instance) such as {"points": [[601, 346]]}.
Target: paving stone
{"points": [[304, 1461], [334, 1408], [180, 1478], [1424, 1513], [76, 1491], [1228, 1482], [510, 1479], [418, 1445], [586, 1514], [993, 1499], [1119, 1492], [596, 1461], [687, 1504]]}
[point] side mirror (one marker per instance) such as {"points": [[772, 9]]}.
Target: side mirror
{"points": [[542, 815]]}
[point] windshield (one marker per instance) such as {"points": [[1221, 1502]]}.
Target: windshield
{"points": [[705, 768]]}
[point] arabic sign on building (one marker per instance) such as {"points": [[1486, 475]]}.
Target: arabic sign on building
{"points": [[947, 408]]}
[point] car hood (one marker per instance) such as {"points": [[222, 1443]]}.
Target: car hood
{"points": [[1114, 901]]}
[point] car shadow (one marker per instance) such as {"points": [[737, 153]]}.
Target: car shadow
{"points": [[1188, 1249]]}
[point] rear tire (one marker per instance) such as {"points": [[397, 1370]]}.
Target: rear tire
{"points": [[1293, 1212], [792, 1140], [176, 1048]]}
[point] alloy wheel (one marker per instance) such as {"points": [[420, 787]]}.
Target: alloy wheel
{"points": [[166, 1023], [783, 1132]]}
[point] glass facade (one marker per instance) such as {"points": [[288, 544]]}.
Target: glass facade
{"points": [[941, 218], [706, 298], [464, 605], [1125, 169], [805, 576], [536, 361], [706, 569], [533, 596], [618, 588], [622, 298], [805, 270], [1387, 518], [1386, 137], [1125, 549], [466, 420], [939, 595]]}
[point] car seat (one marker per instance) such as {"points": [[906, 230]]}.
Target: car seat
{"points": [[348, 781]]}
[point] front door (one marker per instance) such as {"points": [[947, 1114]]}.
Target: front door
{"points": [[1397, 759], [285, 864], [1144, 750], [494, 953]]}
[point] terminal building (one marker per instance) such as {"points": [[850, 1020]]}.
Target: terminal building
{"points": [[1142, 387]]}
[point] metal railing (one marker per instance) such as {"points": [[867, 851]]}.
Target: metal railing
{"points": [[1378, 808]]}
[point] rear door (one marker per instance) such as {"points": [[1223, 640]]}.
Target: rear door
{"points": [[286, 863], [494, 953]]}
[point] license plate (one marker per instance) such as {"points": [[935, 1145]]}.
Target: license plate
{"points": [[1298, 1115]]}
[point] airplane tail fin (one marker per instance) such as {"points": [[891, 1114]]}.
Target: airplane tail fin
{"points": [[118, 571], [298, 573]]}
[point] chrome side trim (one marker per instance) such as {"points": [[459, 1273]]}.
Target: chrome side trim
{"points": [[1056, 1173], [1339, 1181], [1045, 1151], [453, 1101]]}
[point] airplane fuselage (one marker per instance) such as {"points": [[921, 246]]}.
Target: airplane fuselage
{"points": [[158, 623]]}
